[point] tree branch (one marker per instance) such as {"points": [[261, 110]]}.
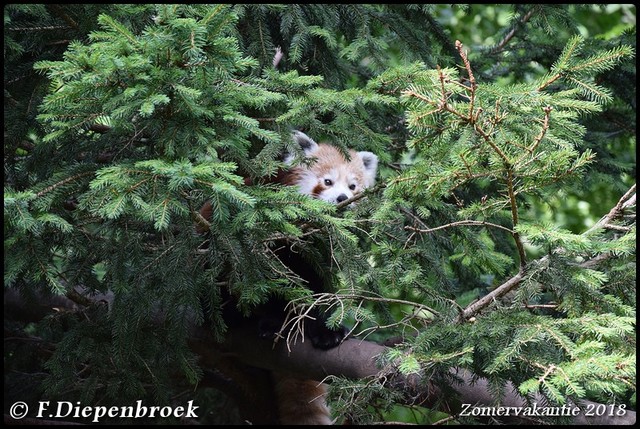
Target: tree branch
{"points": [[57, 10], [626, 201], [357, 359], [459, 223], [494, 295], [500, 46], [472, 79], [354, 359]]}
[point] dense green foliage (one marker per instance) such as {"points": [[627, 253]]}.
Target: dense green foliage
{"points": [[498, 156]]}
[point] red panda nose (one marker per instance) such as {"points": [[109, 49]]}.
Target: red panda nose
{"points": [[341, 198]]}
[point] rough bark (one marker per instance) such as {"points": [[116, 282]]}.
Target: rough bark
{"points": [[244, 360], [357, 359]]}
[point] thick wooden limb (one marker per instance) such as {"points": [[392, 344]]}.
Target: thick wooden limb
{"points": [[354, 359], [357, 359]]}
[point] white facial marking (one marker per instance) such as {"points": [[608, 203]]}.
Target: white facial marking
{"points": [[331, 177]]}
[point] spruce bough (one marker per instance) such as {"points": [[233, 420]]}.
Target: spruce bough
{"points": [[143, 123]]}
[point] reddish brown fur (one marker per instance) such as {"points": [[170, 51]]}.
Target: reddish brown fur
{"points": [[301, 401], [317, 190], [328, 157]]}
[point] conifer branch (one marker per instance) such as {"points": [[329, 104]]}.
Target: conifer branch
{"points": [[525, 18], [514, 217], [459, 223], [361, 195], [627, 200], [195, 132], [40, 28], [443, 101], [473, 120], [298, 310], [332, 298], [534, 306], [472, 80], [466, 165], [262, 42], [63, 182], [404, 323], [543, 131], [57, 9], [160, 256], [79, 298], [601, 61], [202, 224], [549, 81], [487, 138], [476, 306]]}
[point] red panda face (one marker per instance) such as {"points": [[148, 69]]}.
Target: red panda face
{"points": [[327, 174]]}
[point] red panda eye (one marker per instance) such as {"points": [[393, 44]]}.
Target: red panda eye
{"points": [[352, 186], [328, 182]]}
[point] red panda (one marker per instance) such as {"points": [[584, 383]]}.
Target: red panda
{"points": [[330, 176], [327, 175]]}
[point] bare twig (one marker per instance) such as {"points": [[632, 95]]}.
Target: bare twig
{"points": [[42, 28], [494, 295], [627, 200], [545, 127], [298, 311], [500, 46], [59, 11], [472, 79], [514, 217], [359, 196], [460, 223]]}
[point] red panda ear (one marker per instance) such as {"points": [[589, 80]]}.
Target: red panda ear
{"points": [[370, 162], [306, 143]]}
